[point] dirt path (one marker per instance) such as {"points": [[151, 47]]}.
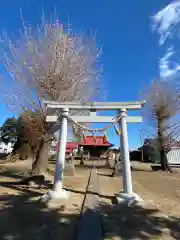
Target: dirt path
{"points": [[91, 217]]}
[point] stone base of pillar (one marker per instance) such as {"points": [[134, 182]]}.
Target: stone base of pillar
{"points": [[55, 196], [130, 199]]}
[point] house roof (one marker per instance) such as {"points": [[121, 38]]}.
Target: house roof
{"points": [[95, 141]]}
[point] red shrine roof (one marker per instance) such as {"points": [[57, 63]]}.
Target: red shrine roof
{"points": [[70, 146], [95, 141], [89, 141]]}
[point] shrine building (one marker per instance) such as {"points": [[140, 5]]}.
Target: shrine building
{"points": [[95, 146]]}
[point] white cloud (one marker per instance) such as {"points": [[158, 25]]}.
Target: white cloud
{"points": [[168, 73], [166, 20], [166, 23], [165, 65]]}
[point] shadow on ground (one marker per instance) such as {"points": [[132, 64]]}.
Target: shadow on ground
{"points": [[135, 169], [24, 216], [11, 174], [135, 222]]}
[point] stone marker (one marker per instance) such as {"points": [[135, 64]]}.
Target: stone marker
{"points": [[117, 171], [69, 169]]}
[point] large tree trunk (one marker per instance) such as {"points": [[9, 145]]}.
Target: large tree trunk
{"points": [[24, 151], [22, 148], [40, 163], [161, 142]]}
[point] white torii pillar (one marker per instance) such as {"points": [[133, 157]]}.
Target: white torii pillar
{"points": [[58, 192], [60, 159], [127, 194], [127, 180]]}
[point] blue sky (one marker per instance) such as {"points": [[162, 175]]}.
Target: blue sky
{"points": [[131, 51]]}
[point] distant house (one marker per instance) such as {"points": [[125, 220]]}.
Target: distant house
{"points": [[149, 151], [6, 147]]}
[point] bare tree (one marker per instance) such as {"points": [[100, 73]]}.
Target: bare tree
{"points": [[162, 106], [46, 62]]}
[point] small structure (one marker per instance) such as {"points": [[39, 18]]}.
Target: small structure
{"points": [[53, 148], [95, 146], [113, 153]]}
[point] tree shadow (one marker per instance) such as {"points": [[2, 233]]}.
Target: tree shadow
{"points": [[135, 222], [105, 174], [135, 169], [24, 216], [19, 179], [12, 174]]}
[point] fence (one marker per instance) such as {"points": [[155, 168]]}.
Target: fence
{"points": [[174, 157]]}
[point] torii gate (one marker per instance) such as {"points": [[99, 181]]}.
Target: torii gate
{"points": [[55, 109]]}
